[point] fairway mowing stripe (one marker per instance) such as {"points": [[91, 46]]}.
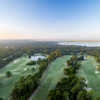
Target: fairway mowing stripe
{"points": [[57, 73], [87, 71]]}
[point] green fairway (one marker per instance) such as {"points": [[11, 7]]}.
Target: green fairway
{"points": [[88, 71], [18, 68], [50, 78]]}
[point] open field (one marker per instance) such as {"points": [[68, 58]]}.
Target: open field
{"points": [[88, 71], [50, 78], [18, 68]]}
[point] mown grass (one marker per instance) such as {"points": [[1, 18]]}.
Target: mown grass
{"points": [[17, 68], [88, 71], [50, 79]]}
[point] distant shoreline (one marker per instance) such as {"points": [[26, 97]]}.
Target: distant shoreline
{"points": [[87, 44]]}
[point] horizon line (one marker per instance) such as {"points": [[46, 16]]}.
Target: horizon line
{"points": [[71, 40]]}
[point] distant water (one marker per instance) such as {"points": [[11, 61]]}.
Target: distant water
{"points": [[35, 58], [87, 44]]}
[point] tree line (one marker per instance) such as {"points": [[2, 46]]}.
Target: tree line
{"points": [[71, 87], [14, 49]]}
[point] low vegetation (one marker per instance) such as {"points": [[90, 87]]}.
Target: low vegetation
{"points": [[31, 63]]}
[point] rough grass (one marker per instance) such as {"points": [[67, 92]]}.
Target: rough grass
{"points": [[88, 71], [55, 73], [17, 68]]}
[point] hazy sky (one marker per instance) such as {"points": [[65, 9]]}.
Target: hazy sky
{"points": [[50, 19]]}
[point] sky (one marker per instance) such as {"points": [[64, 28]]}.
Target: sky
{"points": [[50, 19]]}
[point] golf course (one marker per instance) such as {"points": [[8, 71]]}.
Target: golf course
{"points": [[18, 68], [50, 78], [55, 73], [92, 76]]}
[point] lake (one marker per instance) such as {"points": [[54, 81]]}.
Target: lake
{"points": [[36, 57], [87, 44]]}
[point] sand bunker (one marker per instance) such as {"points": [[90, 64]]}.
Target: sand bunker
{"points": [[15, 61], [25, 69], [96, 72], [86, 82]]}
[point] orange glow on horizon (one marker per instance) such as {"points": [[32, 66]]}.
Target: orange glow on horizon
{"points": [[14, 36]]}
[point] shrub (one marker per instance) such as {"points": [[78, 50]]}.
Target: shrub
{"points": [[8, 74], [31, 63], [98, 67], [1, 98]]}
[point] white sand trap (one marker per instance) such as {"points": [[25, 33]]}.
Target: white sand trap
{"points": [[25, 69], [15, 61], [35, 67], [96, 72], [86, 82]]}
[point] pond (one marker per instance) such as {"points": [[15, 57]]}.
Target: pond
{"points": [[36, 57]]}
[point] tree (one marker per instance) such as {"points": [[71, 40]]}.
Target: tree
{"points": [[97, 98], [1, 98], [51, 95], [31, 63], [82, 95], [43, 66], [71, 87], [8, 74], [58, 53], [69, 71]]}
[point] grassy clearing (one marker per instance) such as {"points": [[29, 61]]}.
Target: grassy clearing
{"points": [[55, 73], [18, 68], [88, 71]]}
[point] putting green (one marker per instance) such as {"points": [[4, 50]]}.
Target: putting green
{"points": [[50, 78], [18, 68], [89, 72]]}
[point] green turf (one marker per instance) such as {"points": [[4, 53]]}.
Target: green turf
{"points": [[17, 69], [50, 78], [88, 71]]}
